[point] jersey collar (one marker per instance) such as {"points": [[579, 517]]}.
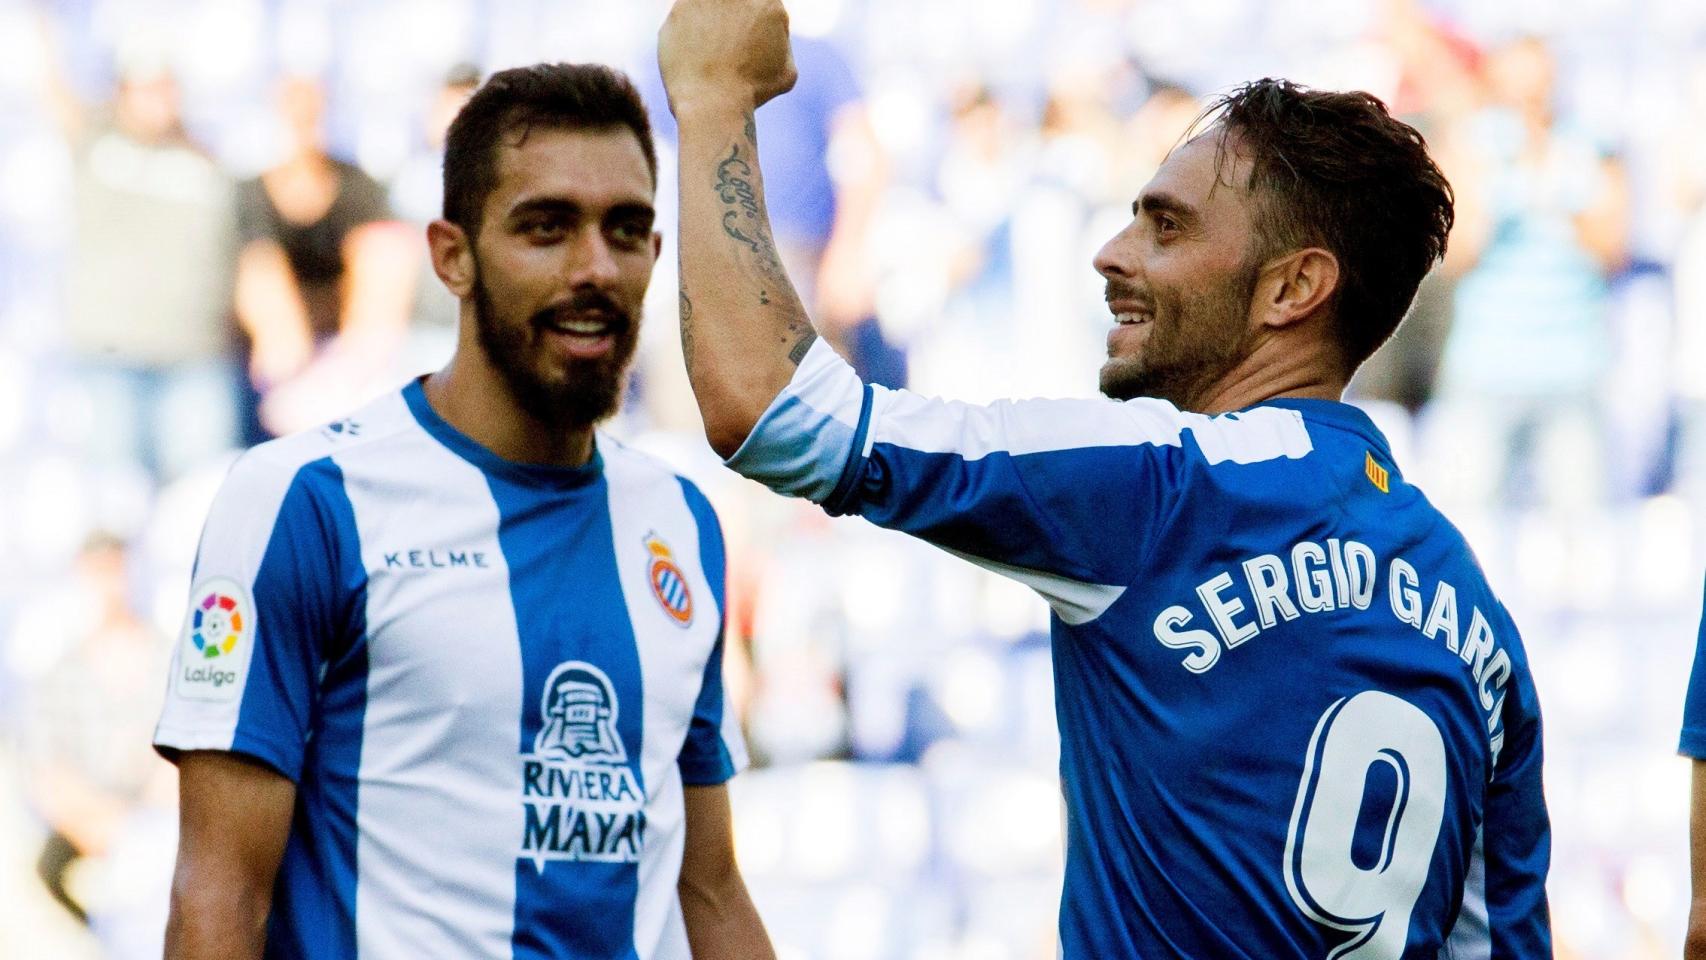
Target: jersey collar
{"points": [[1335, 413], [527, 474]]}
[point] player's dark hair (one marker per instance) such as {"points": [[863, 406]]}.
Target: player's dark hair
{"points": [[512, 103], [1337, 171]]}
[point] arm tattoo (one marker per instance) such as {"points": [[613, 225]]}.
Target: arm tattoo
{"points": [[734, 187], [802, 346], [744, 222], [742, 210]]}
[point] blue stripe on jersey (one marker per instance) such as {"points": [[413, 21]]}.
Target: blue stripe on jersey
{"points": [[316, 881], [705, 758], [1694, 708], [569, 605], [296, 614]]}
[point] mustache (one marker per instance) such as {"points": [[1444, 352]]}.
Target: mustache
{"points": [[1116, 290], [583, 302]]}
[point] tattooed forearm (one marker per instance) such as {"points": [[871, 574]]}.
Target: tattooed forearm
{"points": [[734, 184], [743, 217], [753, 305], [731, 221]]}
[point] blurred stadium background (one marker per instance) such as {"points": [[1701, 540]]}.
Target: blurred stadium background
{"points": [[1550, 391]]}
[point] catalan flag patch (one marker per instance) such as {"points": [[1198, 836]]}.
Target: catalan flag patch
{"points": [[1377, 475]]}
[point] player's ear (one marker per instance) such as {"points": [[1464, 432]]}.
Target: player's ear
{"points": [[1296, 286], [452, 256]]}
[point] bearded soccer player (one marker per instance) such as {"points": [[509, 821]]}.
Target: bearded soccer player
{"points": [[450, 681], [1295, 720]]}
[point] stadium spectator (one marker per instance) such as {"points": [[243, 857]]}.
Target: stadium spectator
{"points": [[417, 196], [324, 276], [1543, 228], [90, 773], [148, 283]]}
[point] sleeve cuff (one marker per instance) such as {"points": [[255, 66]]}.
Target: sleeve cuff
{"points": [[1693, 743], [708, 771], [172, 744], [808, 443]]}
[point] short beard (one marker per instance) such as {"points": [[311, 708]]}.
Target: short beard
{"points": [[587, 396], [1180, 371]]}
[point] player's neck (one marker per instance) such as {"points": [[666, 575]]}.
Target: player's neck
{"points": [[472, 397], [1274, 369]]}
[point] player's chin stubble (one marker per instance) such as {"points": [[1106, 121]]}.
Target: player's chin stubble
{"points": [[1181, 368], [588, 393]]}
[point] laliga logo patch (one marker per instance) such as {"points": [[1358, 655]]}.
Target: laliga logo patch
{"points": [[216, 624], [218, 637], [669, 584]]}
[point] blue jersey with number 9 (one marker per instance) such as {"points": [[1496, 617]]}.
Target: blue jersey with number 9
{"points": [[1295, 721]]}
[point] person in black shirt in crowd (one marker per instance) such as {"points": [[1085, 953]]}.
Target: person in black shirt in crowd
{"points": [[325, 276]]}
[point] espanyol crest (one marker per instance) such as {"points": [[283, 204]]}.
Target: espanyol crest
{"points": [[669, 584]]}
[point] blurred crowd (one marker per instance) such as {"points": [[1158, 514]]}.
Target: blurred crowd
{"points": [[210, 233]]}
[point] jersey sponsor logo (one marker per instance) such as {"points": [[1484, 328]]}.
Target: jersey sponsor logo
{"points": [[218, 636], [581, 801], [1377, 474], [435, 559], [669, 584]]}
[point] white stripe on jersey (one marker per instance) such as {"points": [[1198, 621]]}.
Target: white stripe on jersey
{"points": [[438, 757], [1020, 427], [1074, 601], [825, 383]]}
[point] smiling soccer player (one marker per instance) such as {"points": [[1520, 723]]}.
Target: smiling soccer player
{"points": [[1295, 720], [451, 681]]}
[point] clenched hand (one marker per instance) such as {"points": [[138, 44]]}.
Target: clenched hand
{"points": [[725, 53]]}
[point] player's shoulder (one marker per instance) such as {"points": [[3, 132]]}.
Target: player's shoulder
{"points": [[278, 463], [631, 468], [1259, 434]]}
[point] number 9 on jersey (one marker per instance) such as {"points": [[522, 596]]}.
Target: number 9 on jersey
{"points": [[1366, 891]]}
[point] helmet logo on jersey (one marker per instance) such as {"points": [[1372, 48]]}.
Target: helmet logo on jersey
{"points": [[669, 584], [580, 799], [578, 711]]}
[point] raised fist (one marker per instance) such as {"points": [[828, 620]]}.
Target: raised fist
{"points": [[725, 53]]}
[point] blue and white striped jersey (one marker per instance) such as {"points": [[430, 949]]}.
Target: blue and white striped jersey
{"points": [[1693, 743], [1295, 722], [489, 681]]}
